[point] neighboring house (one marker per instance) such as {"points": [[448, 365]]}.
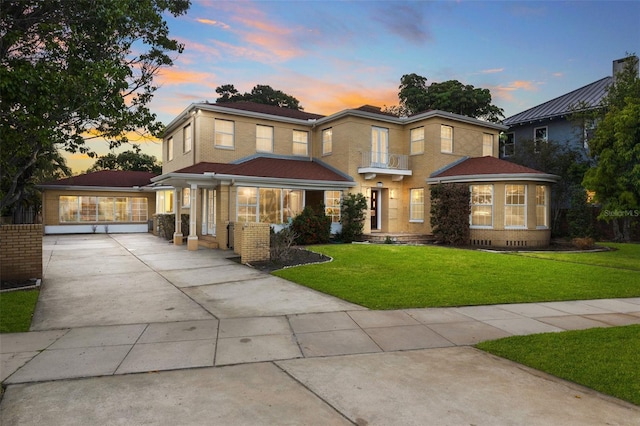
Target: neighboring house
{"points": [[550, 121], [247, 162], [107, 201]]}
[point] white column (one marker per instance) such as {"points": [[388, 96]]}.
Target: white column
{"points": [[177, 207], [192, 240]]}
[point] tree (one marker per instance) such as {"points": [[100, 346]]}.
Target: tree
{"points": [[76, 70], [559, 159], [261, 94], [352, 215], [452, 96], [128, 160], [615, 146]]}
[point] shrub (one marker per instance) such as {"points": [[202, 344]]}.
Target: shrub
{"points": [[281, 242], [311, 226], [352, 215], [583, 243], [450, 213]]}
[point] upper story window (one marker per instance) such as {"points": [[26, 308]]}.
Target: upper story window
{"points": [[379, 146], [481, 206], [300, 142], [186, 139], [539, 137], [417, 140], [327, 141], [515, 206], [509, 146], [446, 139], [170, 149], [264, 138], [223, 133], [487, 144]]}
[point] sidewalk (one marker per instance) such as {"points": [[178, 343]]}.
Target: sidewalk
{"points": [[132, 330]]}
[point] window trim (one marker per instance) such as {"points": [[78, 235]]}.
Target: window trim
{"points": [[442, 127], [333, 210], [471, 205], [90, 208], [484, 144], [512, 144], [545, 205], [537, 141], [413, 142], [170, 149], [413, 205]]}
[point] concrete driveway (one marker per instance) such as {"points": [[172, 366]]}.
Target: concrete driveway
{"points": [[130, 329]]}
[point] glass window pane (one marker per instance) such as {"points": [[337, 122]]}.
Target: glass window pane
{"points": [[88, 209], [68, 208]]}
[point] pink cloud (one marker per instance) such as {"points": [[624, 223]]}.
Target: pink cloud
{"points": [[213, 23], [505, 92], [175, 76], [492, 71]]}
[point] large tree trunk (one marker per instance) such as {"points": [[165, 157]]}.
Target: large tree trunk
{"points": [[626, 229], [617, 235]]}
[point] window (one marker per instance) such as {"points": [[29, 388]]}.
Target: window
{"points": [[164, 202], [332, 205], [515, 206], [446, 139], [416, 207], [300, 142], [481, 206], [75, 209], [291, 204], [379, 147], [186, 139], [417, 141], [539, 136], [223, 133], [487, 144], [247, 210], [327, 141], [264, 138], [186, 197], [509, 146], [542, 220], [170, 149]]}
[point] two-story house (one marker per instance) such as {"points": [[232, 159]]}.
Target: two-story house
{"points": [[551, 120], [247, 162]]}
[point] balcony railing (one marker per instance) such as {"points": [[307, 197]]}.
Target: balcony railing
{"points": [[384, 160]]}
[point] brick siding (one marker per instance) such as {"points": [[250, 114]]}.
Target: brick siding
{"points": [[20, 252], [252, 241]]}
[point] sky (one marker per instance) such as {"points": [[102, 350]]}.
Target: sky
{"points": [[334, 55]]}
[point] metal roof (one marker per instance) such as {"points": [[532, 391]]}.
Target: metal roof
{"points": [[591, 95]]}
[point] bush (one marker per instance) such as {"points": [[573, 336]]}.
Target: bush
{"points": [[281, 242], [311, 226], [583, 243], [450, 213], [352, 215]]}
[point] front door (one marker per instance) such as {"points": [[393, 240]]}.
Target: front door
{"points": [[375, 209]]}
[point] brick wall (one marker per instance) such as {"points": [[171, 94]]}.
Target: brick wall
{"points": [[510, 238], [252, 241], [20, 252]]}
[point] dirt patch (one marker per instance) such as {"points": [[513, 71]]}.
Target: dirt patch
{"points": [[297, 256]]}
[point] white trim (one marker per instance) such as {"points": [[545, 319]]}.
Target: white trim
{"points": [[505, 177]]}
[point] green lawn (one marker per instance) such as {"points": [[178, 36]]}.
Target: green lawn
{"points": [[397, 276], [604, 359], [16, 310]]}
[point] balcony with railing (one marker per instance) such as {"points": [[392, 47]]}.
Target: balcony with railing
{"points": [[384, 163]]}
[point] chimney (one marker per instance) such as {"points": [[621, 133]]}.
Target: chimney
{"points": [[619, 64]]}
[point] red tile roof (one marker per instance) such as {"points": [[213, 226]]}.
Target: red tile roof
{"points": [[269, 109], [106, 178], [484, 166], [270, 168]]}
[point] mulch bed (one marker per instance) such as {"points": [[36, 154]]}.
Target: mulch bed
{"points": [[298, 256]]}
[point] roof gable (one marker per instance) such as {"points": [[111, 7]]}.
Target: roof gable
{"points": [[484, 166], [269, 110], [107, 179], [591, 95]]}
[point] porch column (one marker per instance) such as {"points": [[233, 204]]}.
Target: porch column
{"points": [[177, 207], [192, 240]]}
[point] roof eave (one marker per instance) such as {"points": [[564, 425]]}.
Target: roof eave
{"points": [[496, 177], [97, 188]]}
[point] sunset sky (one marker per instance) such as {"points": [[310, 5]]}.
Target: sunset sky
{"points": [[334, 55]]}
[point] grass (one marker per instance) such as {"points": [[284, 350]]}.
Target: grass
{"points": [[395, 277], [16, 310], [604, 359]]}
